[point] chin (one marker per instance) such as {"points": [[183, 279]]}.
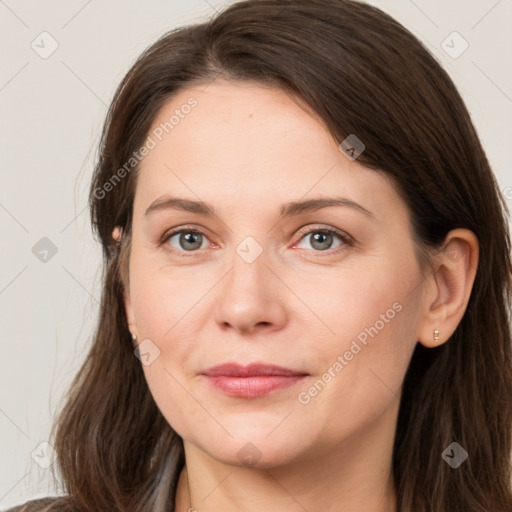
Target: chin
{"points": [[253, 448]]}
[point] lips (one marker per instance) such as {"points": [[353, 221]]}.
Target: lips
{"points": [[253, 380]]}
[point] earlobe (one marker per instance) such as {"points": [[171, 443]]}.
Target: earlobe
{"points": [[449, 287]]}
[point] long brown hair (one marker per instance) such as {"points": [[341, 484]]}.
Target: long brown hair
{"points": [[362, 73]]}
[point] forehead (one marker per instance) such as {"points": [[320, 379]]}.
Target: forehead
{"points": [[251, 141], [264, 122]]}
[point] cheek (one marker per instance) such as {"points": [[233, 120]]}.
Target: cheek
{"points": [[362, 306], [164, 301], [171, 394], [362, 366], [165, 314], [359, 382]]}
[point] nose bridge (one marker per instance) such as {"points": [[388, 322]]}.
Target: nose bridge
{"points": [[249, 274], [248, 296]]}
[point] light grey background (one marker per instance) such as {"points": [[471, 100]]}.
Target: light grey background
{"points": [[51, 112]]}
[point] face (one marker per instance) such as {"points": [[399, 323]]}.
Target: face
{"points": [[332, 293]]}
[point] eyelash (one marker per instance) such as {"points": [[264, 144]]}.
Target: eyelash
{"points": [[344, 237]]}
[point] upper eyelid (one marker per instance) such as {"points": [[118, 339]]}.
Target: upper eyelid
{"points": [[308, 229]]}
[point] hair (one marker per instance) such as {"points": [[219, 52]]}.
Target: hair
{"points": [[362, 73]]}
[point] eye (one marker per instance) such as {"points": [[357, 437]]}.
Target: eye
{"points": [[188, 240], [321, 239]]}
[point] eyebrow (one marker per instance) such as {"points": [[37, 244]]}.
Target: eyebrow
{"points": [[290, 209]]}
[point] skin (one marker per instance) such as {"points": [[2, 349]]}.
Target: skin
{"points": [[246, 149]]}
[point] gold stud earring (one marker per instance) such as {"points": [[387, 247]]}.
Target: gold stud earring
{"points": [[436, 335]]}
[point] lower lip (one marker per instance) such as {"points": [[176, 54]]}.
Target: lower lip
{"points": [[250, 387]]}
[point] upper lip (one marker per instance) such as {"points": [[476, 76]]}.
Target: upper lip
{"points": [[251, 370]]}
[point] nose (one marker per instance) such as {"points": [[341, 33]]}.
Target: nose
{"points": [[251, 298]]}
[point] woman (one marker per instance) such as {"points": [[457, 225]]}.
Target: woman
{"points": [[307, 279]]}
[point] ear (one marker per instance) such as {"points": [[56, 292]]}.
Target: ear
{"points": [[448, 287], [117, 233], [130, 318], [117, 236]]}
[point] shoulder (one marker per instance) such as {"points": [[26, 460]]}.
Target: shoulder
{"points": [[50, 504]]}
